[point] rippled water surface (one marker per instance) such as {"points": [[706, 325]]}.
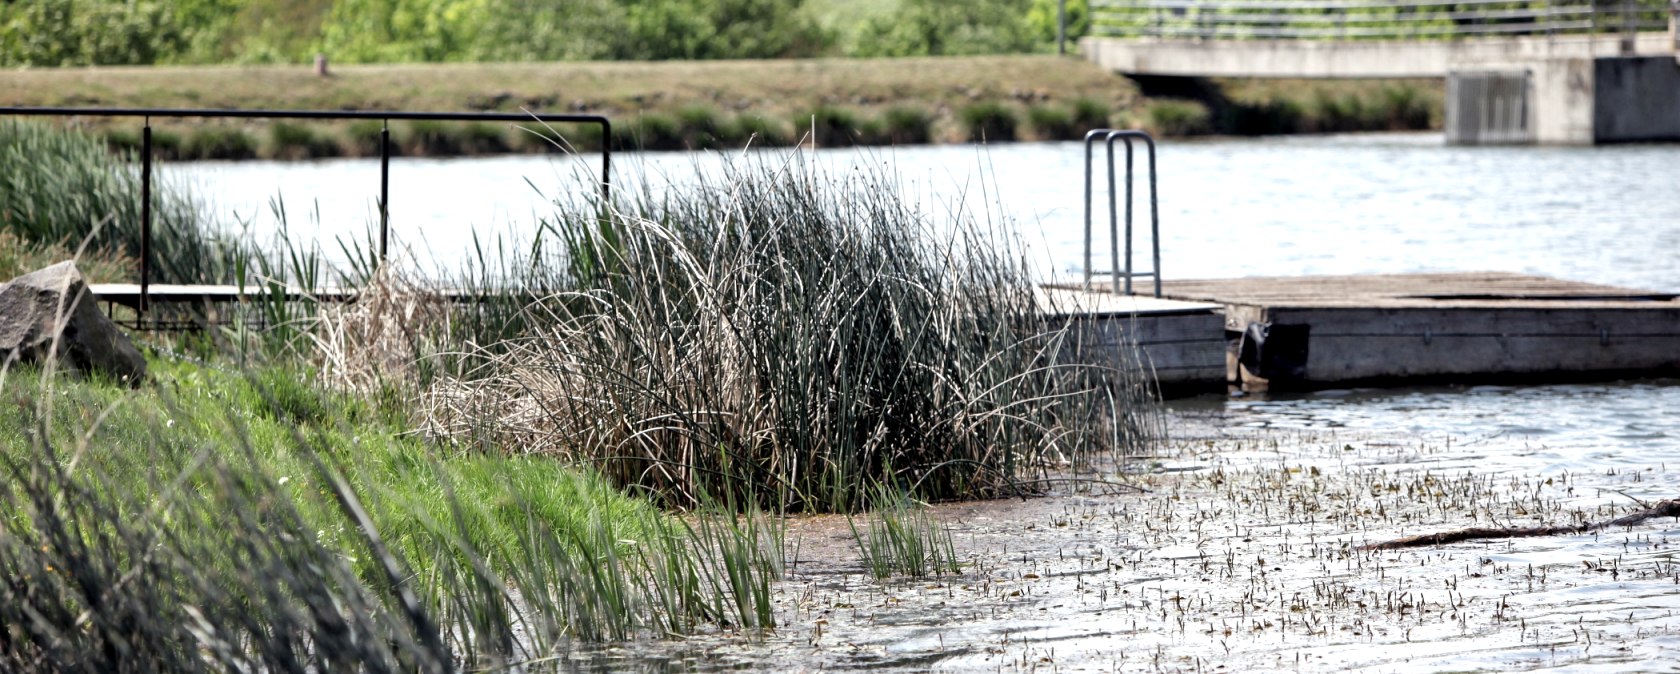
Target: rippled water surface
{"points": [[1235, 549], [1276, 206]]}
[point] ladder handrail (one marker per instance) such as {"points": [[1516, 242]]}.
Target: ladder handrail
{"points": [[1128, 273]]}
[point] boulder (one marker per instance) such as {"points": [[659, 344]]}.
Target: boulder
{"points": [[54, 303]]}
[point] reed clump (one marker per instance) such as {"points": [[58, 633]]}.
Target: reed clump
{"points": [[793, 339], [66, 189]]}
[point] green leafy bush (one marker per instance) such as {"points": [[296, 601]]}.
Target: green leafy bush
{"points": [[989, 121], [1051, 122], [1170, 117], [905, 125]]}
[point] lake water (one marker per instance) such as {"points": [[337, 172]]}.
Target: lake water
{"points": [[1241, 207], [1240, 558]]}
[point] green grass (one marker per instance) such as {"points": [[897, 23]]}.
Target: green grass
{"points": [[902, 538], [254, 519]]}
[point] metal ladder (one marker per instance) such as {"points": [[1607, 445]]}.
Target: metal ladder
{"points": [[1127, 273]]}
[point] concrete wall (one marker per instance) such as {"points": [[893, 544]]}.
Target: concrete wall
{"points": [[1561, 101], [1309, 58], [1636, 99]]}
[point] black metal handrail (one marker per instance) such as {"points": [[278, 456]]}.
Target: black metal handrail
{"points": [[384, 151]]}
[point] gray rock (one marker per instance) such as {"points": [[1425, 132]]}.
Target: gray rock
{"points": [[30, 319]]}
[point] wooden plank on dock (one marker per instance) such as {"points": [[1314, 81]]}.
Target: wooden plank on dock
{"points": [[1462, 289], [1331, 330], [1181, 343]]}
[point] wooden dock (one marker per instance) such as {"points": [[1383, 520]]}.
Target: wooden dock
{"points": [[1319, 331], [1329, 331]]}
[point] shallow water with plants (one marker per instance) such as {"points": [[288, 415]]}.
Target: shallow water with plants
{"points": [[1236, 549], [655, 351]]}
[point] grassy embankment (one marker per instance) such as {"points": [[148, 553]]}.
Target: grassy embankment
{"points": [[675, 105], [406, 485]]}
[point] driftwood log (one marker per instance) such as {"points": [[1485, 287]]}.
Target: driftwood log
{"points": [[1667, 508]]}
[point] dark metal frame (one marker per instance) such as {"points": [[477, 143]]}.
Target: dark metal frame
{"points": [[384, 151]]}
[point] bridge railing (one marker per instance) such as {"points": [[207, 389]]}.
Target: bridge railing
{"points": [[1371, 19]]}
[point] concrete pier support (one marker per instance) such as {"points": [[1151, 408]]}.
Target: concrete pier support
{"points": [[1566, 101]]}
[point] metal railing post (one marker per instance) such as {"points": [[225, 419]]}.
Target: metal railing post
{"points": [[1090, 140], [1154, 216], [1123, 266], [384, 189], [145, 217], [1113, 215]]}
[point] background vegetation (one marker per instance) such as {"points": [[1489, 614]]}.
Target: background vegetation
{"points": [[147, 32]]}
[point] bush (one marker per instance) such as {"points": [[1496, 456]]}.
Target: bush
{"points": [[1170, 117], [481, 138], [1089, 114], [219, 143], [703, 128], [291, 141], [990, 122], [430, 138], [650, 131], [1051, 122], [760, 131], [362, 138], [831, 126], [166, 145], [907, 126]]}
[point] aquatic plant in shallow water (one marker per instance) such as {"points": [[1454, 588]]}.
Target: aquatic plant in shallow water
{"points": [[902, 537], [792, 338]]}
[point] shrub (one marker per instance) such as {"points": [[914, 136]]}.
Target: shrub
{"points": [[219, 143], [703, 128], [650, 131], [166, 145], [430, 138], [1171, 117], [907, 126], [990, 121], [760, 131], [831, 126], [361, 138], [1406, 108], [1051, 122], [287, 140], [1089, 114], [482, 138]]}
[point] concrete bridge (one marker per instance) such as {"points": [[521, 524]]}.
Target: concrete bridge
{"points": [[1552, 71]]}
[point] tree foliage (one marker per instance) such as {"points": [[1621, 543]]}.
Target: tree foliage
{"points": [[140, 32]]}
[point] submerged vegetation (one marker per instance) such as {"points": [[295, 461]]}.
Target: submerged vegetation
{"points": [[600, 449]]}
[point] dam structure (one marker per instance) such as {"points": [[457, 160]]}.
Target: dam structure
{"points": [[1560, 72]]}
